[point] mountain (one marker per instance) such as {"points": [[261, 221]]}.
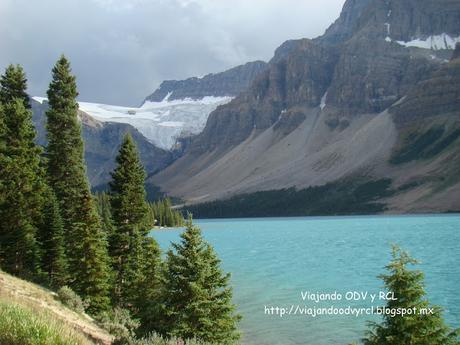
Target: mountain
{"points": [[225, 84], [342, 107], [102, 142], [162, 123], [161, 126]]}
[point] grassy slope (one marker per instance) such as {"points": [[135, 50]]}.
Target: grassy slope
{"points": [[34, 305]]}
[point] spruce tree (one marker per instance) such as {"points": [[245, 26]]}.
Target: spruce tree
{"points": [[51, 237], [104, 210], [130, 216], [197, 298], [147, 299], [17, 147], [86, 246], [21, 178], [419, 328], [13, 85]]}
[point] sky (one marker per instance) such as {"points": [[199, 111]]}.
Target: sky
{"points": [[121, 50]]}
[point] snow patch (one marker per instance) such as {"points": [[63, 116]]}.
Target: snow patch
{"points": [[40, 99], [167, 97], [434, 42], [323, 101]]}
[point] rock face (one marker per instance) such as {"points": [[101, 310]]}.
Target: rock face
{"points": [[362, 72], [300, 80], [344, 27], [102, 141], [438, 95], [334, 107], [229, 83]]}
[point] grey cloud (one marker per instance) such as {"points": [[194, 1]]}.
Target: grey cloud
{"points": [[122, 49]]}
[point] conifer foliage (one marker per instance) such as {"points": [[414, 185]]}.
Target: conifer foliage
{"points": [[21, 178], [51, 238], [86, 245], [162, 214], [13, 85], [51, 229], [128, 241], [197, 299], [105, 212], [423, 327]]}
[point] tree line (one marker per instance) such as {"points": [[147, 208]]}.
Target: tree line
{"points": [[55, 232], [160, 213]]}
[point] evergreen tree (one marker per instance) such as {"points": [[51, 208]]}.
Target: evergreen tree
{"points": [[417, 328], [13, 85], [105, 213], [18, 150], [148, 295], [86, 246], [130, 216], [197, 299], [51, 237], [162, 214], [21, 185], [93, 275]]}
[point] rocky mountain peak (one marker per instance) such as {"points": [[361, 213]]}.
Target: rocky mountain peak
{"points": [[407, 20], [343, 28], [228, 83]]}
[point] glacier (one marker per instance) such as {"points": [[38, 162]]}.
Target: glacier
{"points": [[162, 123]]}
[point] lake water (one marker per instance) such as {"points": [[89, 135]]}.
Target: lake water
{"points": [[273, 259]]}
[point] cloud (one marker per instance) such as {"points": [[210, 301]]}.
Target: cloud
{"points": [[122, 49]]}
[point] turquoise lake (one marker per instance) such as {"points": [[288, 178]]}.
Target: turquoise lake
{"points": [[273, 260]]}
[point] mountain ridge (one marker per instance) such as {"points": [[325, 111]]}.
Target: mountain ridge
{"points": [[228, 83], [320, 113]]}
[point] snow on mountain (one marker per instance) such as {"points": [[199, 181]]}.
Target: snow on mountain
{"points": [[434, 42], [160, 122]]}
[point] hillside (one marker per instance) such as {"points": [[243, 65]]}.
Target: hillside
{"points": [[330, 109], [44, 305]]}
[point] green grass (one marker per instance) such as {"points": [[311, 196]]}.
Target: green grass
{"points": [[21, 326]]}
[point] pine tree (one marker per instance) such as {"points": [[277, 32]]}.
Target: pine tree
{"points": [[21, 179], [105, 212], [86, 246], [147, 300], [19, 208], [417, 328], [51, 237], [13, 85], [197, 299], [91, 261], [162, 214], [130, 216]]}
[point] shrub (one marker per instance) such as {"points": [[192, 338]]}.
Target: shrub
{"points": [[71, 300], [119, 323]]}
